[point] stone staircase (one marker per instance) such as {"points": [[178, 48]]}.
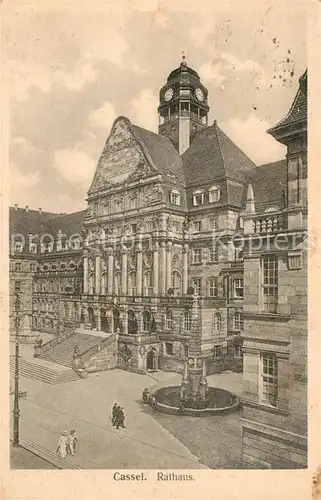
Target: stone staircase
{"points": [[47, 374], [62, 353]]}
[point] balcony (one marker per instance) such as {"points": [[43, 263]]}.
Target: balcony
{"points": [[269, 224]]}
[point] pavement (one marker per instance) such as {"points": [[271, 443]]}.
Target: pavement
{"points": [[150, 440], [20, 458]]}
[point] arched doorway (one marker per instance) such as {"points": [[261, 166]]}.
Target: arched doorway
{"points": [[151, 360], [104, 326], [132, 322], [116, 319], [91, 317]]}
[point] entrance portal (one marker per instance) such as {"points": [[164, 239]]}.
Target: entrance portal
{"points": [[104, 326], [151, 360]]}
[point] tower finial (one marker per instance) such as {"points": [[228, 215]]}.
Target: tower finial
{"points": [[183, 63]]}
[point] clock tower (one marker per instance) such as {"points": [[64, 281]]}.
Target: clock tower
{"points": [[183, 108]]}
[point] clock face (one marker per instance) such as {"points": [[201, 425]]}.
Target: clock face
{"points": [[199, 94], [168, 94]]}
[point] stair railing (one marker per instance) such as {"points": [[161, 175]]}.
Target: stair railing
{"points": [[54, 342], [94, 349]]}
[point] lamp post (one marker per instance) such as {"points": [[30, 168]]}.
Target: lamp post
{"points": [[16, 410]]}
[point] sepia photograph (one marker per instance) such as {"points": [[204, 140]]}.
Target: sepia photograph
{"points": [[158, 238]]}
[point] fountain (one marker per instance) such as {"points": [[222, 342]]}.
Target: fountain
{"points": [[193, 396]]}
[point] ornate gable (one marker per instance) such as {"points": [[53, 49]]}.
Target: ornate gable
{"points": [[123, 158]]}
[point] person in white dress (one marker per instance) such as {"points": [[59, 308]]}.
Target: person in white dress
{"points": [[62, 444]]}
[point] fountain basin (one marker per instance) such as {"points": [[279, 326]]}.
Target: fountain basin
{"points": [[218, 401]]}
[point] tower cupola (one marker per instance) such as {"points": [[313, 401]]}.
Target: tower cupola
{"points": [[183, 108]]}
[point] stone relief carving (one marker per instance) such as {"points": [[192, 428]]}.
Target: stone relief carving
{"points": [[150, 196]]}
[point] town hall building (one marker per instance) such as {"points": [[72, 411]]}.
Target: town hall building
{"points": [[183, 238]]}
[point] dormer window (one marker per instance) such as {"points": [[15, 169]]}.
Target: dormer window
{"points": [[175, 197], [214, 194], [198, 197]]}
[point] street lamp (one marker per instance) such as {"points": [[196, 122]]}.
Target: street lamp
{"points": [[16, 410]]}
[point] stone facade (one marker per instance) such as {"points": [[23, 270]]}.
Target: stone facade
{"points": [[191, 254]]}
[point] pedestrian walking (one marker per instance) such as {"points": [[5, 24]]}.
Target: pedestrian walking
{"points": [[62, 444], [120, 421], [114, 414], [72, 442], [145, 396]]}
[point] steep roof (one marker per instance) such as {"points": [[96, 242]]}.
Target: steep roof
{"points": [[268, 182], [213, 154], [23, 224], [163, 153], [299, 108]]}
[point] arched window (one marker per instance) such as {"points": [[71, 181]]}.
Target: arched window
{"points": [[148, 283], [147, 321], [175, 197], [104, 289], [187, 320], [217, 322], [198, 197], [214, 194], [238, 321], [132, 283], [132, 322], [176, 283], [169, 319], [117, 283]]}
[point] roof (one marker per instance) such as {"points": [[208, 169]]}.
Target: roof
{"points": [[268, 182], [182, 68], [213, 154], [25, 223], [162, 151], [299, 108]]}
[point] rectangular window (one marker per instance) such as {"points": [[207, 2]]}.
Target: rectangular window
{"points": [[197, 226], [218, 351], [269, 378], [33, 248], [294, 261], [197, 256], [175, 198], [134, 228], [270, 283], [18, 247], [213, 254], [212, 287], [238, 288], [18, 266], [197, 285], [133, 202], [214, 224], [17, 286], [149, 226], [33, 267]]}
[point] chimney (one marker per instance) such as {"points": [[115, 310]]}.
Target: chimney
{"points": [[27, 208], [40, 210], [16, 206]]}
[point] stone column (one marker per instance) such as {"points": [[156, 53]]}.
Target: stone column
{"points": [[124, 271], [162, 268], [97, 274], [98, 319], [110, 277], [185, 268], [139, 272], [156, 268], [86, 277], [124, 319], [169, 266]]}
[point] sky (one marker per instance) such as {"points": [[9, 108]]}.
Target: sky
{"points": [[72, 72]]}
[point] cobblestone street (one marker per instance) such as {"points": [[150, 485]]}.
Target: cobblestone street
{"points": [[149, 440]]}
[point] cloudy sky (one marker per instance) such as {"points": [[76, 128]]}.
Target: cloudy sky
{"points": [[73, 72]]}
